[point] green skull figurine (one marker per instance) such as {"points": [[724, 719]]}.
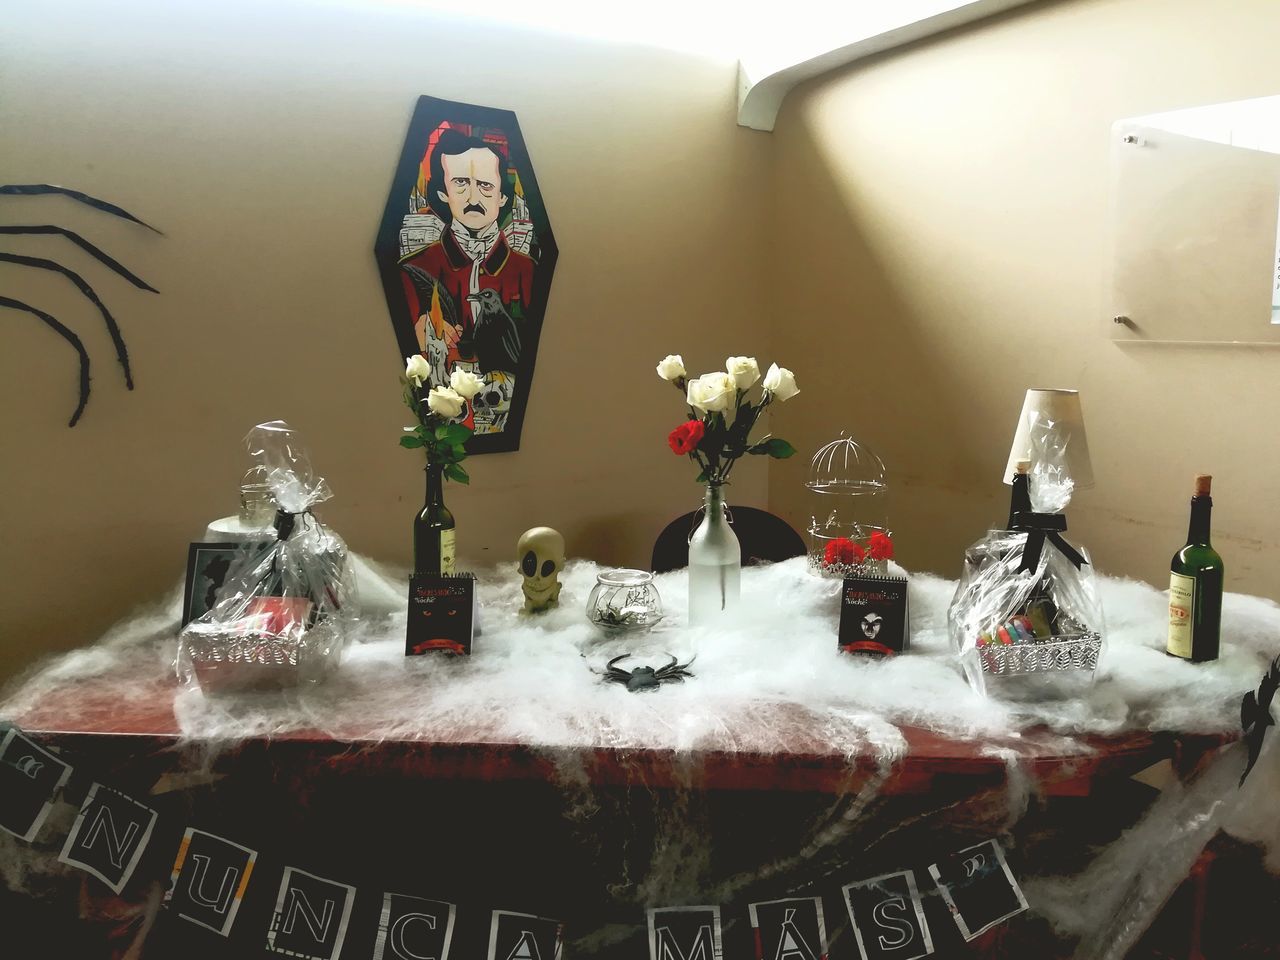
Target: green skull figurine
{"points": [[540, 556]]}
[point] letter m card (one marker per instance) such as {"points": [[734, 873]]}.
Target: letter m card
{"points": [[685, 933], [109, 835], [30, 777], [979, 888], [888, 917], [311, 915], [209, 878]]}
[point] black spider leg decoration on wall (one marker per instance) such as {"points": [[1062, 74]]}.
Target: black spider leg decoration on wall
{"points": [[94, 251], [71, 338], [40, 263], [113, 328], [41, 189]]}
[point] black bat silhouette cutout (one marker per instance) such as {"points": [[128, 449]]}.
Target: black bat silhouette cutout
{"points": [[1255, 714]]}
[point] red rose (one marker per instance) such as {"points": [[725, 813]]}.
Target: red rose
{"points": [[843, 550], [685, 437], [880, 546]]}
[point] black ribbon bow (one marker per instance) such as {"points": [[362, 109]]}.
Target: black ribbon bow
{"points": [[1040, 527], [1255, 714]]}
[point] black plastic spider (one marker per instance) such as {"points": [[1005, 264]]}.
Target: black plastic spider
{"points": [[646, 678], [40, 263]]}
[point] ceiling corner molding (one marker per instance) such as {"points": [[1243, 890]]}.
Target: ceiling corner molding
{"points": [[760, 98]]}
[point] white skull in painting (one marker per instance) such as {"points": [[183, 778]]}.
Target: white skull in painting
{"points": [[492, 405]]}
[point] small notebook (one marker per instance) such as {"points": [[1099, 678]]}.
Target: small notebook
{"points": [[875, 617], [442, 614]]}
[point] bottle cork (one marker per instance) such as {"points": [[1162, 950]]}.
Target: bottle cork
{"points": [[1203, 481], [1022, 466]]}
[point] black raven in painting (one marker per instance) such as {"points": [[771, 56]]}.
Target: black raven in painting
{"points": [[495, 335]]}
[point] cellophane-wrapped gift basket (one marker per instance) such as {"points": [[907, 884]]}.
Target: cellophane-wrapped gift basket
{"points": [[1026, 620], [284, 611]]}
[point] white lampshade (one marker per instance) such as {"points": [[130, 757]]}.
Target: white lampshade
{"points": [[1063, 408]]}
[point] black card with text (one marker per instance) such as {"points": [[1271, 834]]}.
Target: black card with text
{"points": [[442, 614], [979, 888], [875, 616]]}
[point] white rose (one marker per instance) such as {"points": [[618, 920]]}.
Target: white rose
{"points": [[465, 383], [671, 367], [712, 393], [417, 369], [744, 370], [781, 382], [445, 402]]}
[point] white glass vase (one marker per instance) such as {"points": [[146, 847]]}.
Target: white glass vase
{"points": [[715, 562]]}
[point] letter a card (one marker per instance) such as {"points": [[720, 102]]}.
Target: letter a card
{"points": [[109, 835], [789, 929], [209, 879], [30, 777], [521, 936], [888, 917], [979, 888]]}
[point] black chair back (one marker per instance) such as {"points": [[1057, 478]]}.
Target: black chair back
{"points": [[763, 537]]}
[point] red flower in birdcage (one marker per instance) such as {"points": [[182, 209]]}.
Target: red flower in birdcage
{"points": [[843, 550], [880, 546]]}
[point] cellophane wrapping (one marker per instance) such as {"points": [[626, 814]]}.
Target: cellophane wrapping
{"points": [[1025, 627], [287, 605]]}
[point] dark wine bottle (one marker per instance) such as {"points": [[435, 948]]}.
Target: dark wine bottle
{"points": [[433, 529], [1195, 586], [1020, 498]]}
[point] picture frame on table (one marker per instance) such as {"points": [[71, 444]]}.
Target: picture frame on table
{"points": [[208, 564]]}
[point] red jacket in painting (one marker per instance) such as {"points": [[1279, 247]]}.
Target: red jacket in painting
{"points": [[507, 271]]}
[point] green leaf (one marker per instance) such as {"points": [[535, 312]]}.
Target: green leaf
{"points": [[408, 441], [701, 478], [454, 471], [778, 448], [452, 433]]}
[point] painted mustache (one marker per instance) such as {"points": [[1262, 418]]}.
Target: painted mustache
{"points": [[474, 208]]}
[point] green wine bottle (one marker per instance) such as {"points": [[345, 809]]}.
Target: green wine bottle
{"points": [[433, 529], [1195, 586]]}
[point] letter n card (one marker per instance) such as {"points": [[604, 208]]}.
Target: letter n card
{"points": [[210, 876], [109, 835], [411, 928], [888, 917], [30, 777], [979, 888], [685, 933], [521, 936], [311, 915], [789, 929]]}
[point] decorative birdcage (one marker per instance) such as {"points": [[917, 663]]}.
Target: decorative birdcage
{"points": [[849, 518]]}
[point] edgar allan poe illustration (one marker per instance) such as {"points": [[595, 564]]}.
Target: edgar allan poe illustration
{"points": [[467, 253]]}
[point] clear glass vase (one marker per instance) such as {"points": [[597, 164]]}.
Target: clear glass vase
{"points": [[715, 562]]}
